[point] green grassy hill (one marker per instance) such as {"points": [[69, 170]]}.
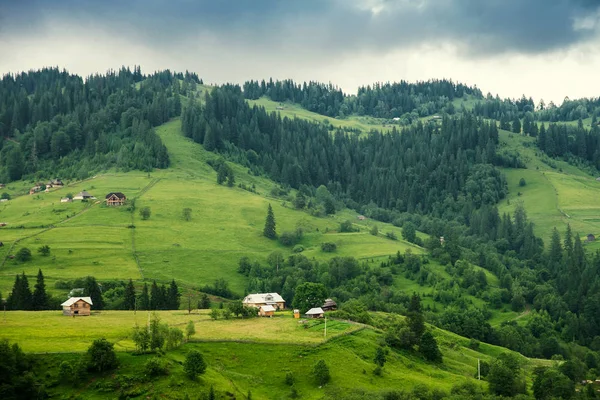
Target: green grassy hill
{"points": [[556, 193], [246, 355]]}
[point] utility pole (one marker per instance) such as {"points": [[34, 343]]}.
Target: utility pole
{"points": [[325, 335]]}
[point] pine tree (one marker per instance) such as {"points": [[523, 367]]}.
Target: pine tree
{"points": [[222, 173], [129, 296], [270, 226], [429, 348], [40, 297], [156, 302], [173, 296], [414, 318], [144, 298], [92, 289], [516, 125]]}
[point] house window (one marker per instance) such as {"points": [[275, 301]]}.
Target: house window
{"points": [[76, 305]]}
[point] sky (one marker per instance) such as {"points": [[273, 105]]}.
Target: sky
{"points": [[545, 49]]}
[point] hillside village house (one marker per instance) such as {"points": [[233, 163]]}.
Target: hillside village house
{"points": [[77, 306], [316, 312], [54, 183], [115, 199], [264, 299], [266, 311], [83, 196], [329, 305]]}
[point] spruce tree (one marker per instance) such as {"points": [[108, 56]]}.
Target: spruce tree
{"points": [[40, 297], [155, 297], [145, 298], [429, 348], [92, 289], [414, 318], [173, 296], [270, 226], [129, 296]]}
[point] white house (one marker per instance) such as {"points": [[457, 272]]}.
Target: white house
{"points": [[265, 299], [316, 312]]}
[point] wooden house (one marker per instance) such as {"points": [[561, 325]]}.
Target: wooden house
{"points": [[266, 311], [316, 312], [83, 196], [329, 305], [264, 299], [115, 199], [55, 183], [361, 217], [591, 237], [66, 200], [77, 306]]}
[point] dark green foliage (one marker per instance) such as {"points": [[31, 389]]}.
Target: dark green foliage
{"points": [[173, 297], [141, 338], [204, 302], [549, 383], [20, 297], [380, 356], [187, 214], [44, 250], [270, 227], [73, 127], [144, 301], [328, 247], [299, 201], [129, 302], [309, 295], [429, 348], [414, 318], [92, 289], [347, 226], [23, 255], [289, 378], [409, 232], [17, 379], [101, 356], [320, 372], [40, 299], [194, 365], [522, 182], [145, 213], [505, 377]]}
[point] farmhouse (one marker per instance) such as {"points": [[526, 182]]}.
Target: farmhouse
{"points": [[315, 313], [265, 299], [329, 305], [266, 311], [77, 306], [66, 200], [115, 199], [83, 196], [54, 183], [361, 217], [591, 237]]}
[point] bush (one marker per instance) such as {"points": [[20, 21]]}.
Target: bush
{"points": [[328, 247], [101, 356], [23, 255], [298, 248], [194, 364], [155, 367], [44, 250], [289, 378], [145, 213], [522, 182], [321, 372], [391, 235], [346, 226]]}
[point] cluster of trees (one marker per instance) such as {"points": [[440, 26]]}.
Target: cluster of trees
{"points": [[158, 335], [561, 140], [18, 379], [424, 169], [55, 123], [159, 297]]}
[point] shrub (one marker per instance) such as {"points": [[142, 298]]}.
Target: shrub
{"points": [[289, 378], [346, 226], [44, 250], [23, 255], [321, 372], [155, 367], [298, 248], [328, 247], [522, 182], [194, 364], [101, 356]]}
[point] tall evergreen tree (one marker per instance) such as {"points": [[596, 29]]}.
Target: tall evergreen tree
{"points": [[156, 297], [270, 226], [40, 297], [173, 296], [92, 289], [144, 298], [415, 318], [129, 296], [429, 348]]}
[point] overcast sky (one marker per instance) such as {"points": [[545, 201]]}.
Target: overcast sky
{"points": [[542, 48]]}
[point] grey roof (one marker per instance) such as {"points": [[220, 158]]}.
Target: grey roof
{"points": [[73, 300], [267, 298], [315, 311]]}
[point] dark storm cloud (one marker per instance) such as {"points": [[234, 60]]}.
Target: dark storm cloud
{"points": [[479, 27]]}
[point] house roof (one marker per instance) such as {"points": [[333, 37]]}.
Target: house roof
{"points": [[118, 194], [268, 298], [73, 300], [315, 311], [329, 302], [84, 194], [267, 308]]}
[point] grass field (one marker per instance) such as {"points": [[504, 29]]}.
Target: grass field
{"points": [[247, 355], [553, 197]]}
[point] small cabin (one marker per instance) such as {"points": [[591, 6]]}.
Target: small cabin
{"points": [[266, 311], [77, 306], [83, 196], [329, 305], [316, 312], [115, 199], [361, 217], [66, 200], [591, 237]]}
